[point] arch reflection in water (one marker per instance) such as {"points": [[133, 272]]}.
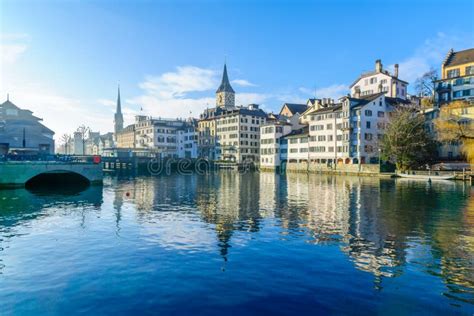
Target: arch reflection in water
{"points": [[20, 208]]}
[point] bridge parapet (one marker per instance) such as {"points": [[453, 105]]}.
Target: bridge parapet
{"points": [[18, 173]]}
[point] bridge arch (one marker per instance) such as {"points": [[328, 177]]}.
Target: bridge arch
{"points": [[58, 178]]}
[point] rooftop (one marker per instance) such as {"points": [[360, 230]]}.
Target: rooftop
{"points": [[458, 58]]}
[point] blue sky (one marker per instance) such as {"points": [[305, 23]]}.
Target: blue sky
{"points": [[63, 59]]}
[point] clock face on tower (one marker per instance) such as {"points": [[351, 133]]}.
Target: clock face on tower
{"points": [[225, 99]]}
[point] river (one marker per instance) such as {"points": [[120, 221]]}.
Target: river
{"points": [[224, 243]]}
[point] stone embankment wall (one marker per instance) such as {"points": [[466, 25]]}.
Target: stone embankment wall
{"points": [[366, 169]]}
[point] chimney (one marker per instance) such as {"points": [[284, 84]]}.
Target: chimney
{"points": [[395, 74], [378, 66]]}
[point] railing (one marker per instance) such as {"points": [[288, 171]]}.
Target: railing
{"points": [[51, 158]]}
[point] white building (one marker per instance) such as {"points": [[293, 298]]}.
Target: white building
{"points": [[349, 132], [326, 133], [270, 137], [187, 140], [273, 146], [238, 133], [167, 138], [380, 80], [297, 145]]}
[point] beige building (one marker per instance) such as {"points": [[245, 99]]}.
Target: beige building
{"points": [[126, 137], [238, 133], [229, 132]]}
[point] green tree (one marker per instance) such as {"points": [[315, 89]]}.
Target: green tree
{"points": [[406, 143]]}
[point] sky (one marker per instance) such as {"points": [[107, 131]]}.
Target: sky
{"points": [[63, 60]]}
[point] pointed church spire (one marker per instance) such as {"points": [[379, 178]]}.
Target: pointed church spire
{"points": [[225, 84], [119, 104], [118, 117]]}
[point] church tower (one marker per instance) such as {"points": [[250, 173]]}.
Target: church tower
{"points": [[118, 117], [225, 95]]}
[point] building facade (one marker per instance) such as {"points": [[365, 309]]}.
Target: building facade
{"points": [[166, 138], [238, 133], [457, 77], [229, 132], [380, 80], [23, 133]]}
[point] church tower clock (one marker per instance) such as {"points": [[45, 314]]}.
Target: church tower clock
{"points": [[225, 95]]}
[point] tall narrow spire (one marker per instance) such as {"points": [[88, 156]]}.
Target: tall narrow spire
{"points": [[118, 117], [119, 104], [225, 84]]}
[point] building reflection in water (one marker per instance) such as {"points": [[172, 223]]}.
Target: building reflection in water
{"points": [[380, 224]]}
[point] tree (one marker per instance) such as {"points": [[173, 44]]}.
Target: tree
{"points": [[455, 124], [425, 85], [65, 139], [83, 130], [406, 142]]}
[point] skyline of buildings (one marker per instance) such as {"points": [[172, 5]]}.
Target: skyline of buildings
{"points": [[323, 130]]}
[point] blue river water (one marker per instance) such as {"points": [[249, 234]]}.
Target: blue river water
{"points": [[240, 244]]}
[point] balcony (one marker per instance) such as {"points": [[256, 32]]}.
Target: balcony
{"points": [[443, 87]]}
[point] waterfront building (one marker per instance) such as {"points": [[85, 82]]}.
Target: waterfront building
{"points": [[349, 132], [325, 132], [187, 140], [95, 144], [22, 132], [207, 134], [170, 138], [297, 145], [271, 134], [380, 80], [457, 77], [229, 132], [126, 137], [238, 133], [346, 132], [273, 146], [456, 84]]}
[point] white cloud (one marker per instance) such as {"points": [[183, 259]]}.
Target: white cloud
{"points": [[248, 98], [10, 53], [107, 102], [168, 95], [13, 36], [334, 91], [12, 46], [243, 83], [178, 84]]}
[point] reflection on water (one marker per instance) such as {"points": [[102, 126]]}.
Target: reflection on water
{"points": [[414, 232]]}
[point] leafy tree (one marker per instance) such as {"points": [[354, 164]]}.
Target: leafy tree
{"points": [[406, 143], [456, 124]]}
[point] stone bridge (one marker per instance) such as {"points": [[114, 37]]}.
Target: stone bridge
{"points": [[20, 173]]}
